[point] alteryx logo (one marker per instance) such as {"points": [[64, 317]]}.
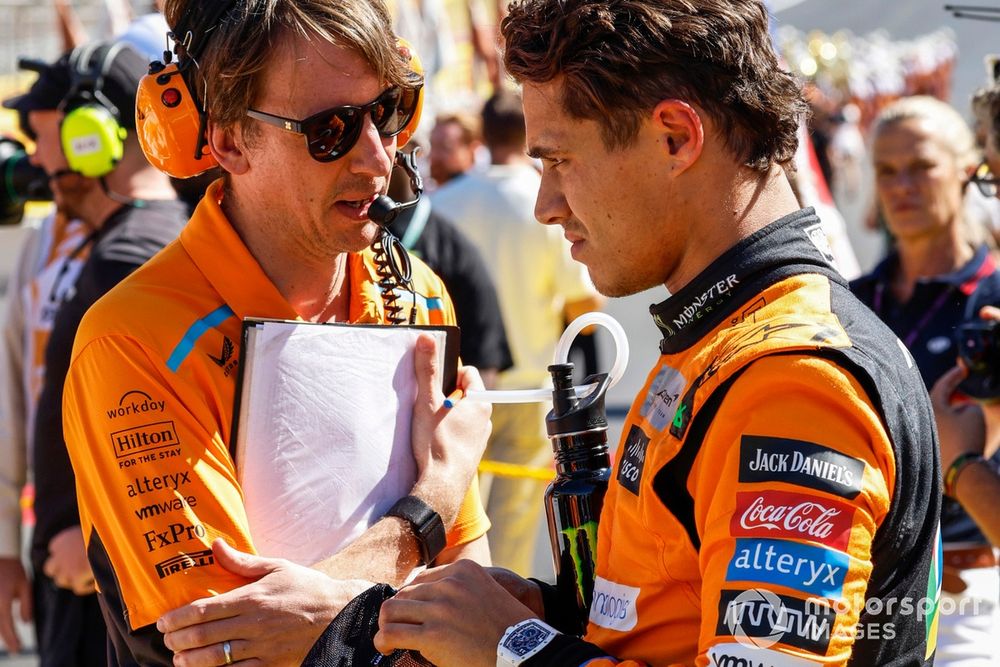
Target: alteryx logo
{"points": [[806, 568]]}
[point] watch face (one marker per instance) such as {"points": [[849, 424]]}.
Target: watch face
{"points": [[525, 638]]}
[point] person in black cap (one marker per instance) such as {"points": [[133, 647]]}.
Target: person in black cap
{"points": [[80, 112]]}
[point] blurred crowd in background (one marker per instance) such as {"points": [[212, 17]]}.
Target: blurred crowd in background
{"points": [[849, 78]]}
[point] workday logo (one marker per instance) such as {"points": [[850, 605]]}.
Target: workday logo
{"points": [[135, 402], [751, 636]]}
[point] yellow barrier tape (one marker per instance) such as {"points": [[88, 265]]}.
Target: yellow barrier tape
{"points": [[515, 470]]}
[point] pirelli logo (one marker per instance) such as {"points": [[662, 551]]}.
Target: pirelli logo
{"points": [[184, 562], [144, 438]]}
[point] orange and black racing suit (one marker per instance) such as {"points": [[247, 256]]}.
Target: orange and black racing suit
{"points": [[775, 497]]}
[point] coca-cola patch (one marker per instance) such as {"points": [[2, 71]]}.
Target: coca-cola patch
{"points": [[780, 514]]}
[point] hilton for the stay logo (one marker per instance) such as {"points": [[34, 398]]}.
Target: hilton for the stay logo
{"points": [[146, 443]]}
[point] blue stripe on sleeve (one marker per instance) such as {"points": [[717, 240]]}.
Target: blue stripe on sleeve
{"points": [[194, 332]]}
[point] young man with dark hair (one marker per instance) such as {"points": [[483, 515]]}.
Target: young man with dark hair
{"points": [[538, 284], [774, 499], [284, 234]]}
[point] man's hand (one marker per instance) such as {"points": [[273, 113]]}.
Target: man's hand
{"points": [[526, 592], [961, 428], [454, 615], [965, 428], [67, 563], [274, 620], [447, 444], [14, 585]]}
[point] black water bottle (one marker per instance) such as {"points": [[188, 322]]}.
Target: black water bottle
{"points": [[578, 429]]}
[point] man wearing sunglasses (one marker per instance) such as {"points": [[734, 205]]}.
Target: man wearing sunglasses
{"points": [[303, 103]]}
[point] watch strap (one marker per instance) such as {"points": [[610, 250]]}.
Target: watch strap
{"points": [[426, 524]]}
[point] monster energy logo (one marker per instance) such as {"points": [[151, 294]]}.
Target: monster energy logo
{"points": [[581, 555]]}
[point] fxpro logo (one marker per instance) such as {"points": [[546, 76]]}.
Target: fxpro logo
{"points": [[135, 402], [183, 562], [760, 618], [174, 533]]}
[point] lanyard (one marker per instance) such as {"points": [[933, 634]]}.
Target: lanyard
{"points": [[911, 337], [68, 261], [968, 287]]}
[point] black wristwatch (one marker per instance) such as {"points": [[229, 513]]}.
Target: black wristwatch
{"points": [[427, 526]]}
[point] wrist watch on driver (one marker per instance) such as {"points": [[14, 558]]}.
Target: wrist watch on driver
{"points": [[523, 640]]}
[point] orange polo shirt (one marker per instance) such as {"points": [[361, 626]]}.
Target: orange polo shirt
{"points": [[148, 413]]}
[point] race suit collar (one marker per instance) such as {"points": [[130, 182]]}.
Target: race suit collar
{"points": [[794, 244]]}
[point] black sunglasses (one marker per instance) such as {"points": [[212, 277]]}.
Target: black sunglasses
{"points": [[330, 134], [985, 180]]}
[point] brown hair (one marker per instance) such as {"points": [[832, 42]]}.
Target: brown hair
{"points": [[947, 126], [466, 122], [233, 53], [503, 120], [619, 58]]}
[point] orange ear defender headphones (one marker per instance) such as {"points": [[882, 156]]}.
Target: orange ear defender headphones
{"points": [[171, 117]]}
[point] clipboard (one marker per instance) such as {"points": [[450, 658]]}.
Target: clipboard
{"points": [[320, 435]]}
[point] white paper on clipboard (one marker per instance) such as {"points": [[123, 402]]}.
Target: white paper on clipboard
{"points": [[323, 436]]}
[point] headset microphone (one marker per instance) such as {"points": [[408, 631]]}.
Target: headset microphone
{"points": [[384, 209], [392, 262]]}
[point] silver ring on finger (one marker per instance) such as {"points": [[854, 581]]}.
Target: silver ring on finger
{"points": [[227, 649]]}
